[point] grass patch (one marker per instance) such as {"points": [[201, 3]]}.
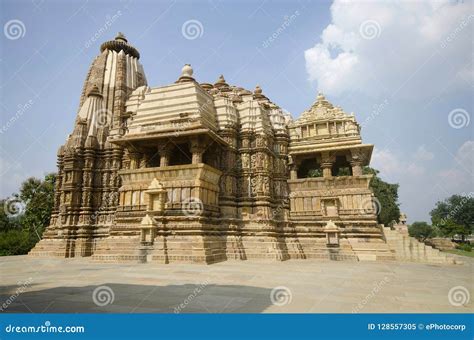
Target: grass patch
{"points": [[461, 252]]}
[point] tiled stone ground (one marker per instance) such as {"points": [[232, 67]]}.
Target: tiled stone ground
{"points": [[67, 286]]}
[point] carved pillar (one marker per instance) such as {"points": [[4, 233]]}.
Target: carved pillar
{"points": [[326, 166], [293, 167], [327, 161], [134, 159], [356, 168], [197, 149], [356, 162], [165, 153]]}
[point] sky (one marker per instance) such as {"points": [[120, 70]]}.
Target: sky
{"points": [[405, 69]]}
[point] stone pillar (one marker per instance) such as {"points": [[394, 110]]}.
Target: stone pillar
{"points": [[165, 153], [197, 150], [134, 159], [327, 160], [293, 167], [356, 168], [327, 169]]}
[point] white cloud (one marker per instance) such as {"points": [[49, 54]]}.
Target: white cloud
{"points": [[386, 162], [459, 177], [396, 166], [376, 47], [422, 154]]}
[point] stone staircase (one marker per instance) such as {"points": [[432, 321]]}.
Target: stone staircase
{"points": [[408, 248]]}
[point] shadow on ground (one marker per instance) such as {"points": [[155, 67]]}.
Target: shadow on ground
{"points": [[126, 298]]}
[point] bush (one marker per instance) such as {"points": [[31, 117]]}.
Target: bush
{"points": [[16, 242], [464, 247], [420, 230]]}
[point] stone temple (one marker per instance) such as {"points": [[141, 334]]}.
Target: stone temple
{"points": [[201, 172]]}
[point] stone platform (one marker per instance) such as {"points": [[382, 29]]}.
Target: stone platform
{"points": [[49, 285]]}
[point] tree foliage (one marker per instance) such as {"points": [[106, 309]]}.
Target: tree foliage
{"points": [[454, 216], [24, 216], [387, 196], [421, 230]]}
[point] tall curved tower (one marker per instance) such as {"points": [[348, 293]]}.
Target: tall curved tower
{"points": [[87, 182]]}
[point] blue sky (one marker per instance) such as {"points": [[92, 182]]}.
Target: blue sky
{"points": [[405, 70]]}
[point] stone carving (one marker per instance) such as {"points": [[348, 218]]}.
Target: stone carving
{"points": [[180, 172]]}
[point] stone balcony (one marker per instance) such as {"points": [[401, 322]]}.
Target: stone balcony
{"points": [[335, 198], [199, 182]]}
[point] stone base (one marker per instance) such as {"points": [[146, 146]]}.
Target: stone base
{"points": [[63, 248], [194, 242]]}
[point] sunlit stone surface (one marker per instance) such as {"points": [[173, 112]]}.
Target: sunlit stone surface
{"points": [[201, 172]]}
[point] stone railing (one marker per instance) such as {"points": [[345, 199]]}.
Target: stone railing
{"points": [[195, 184], [332, 197]]}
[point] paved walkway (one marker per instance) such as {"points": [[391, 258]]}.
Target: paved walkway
{"points": [[80, 286]]}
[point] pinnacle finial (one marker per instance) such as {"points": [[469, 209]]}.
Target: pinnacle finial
{"points": [[258, 90], [186, 74], [121, 36], [94, 91], [187, 70], [221, 83]]}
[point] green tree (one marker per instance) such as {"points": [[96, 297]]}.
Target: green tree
{"points": [[5, 221], [24, 216], [387, 197], [39, 197], [421, 230], [454, 216]]}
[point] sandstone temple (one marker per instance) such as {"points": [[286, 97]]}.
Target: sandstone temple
{"points": [[202, 172]]}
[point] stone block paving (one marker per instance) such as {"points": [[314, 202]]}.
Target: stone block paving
{"points": [[34, 285]]}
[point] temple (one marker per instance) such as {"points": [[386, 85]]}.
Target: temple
{"points": [[202, 172]]}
